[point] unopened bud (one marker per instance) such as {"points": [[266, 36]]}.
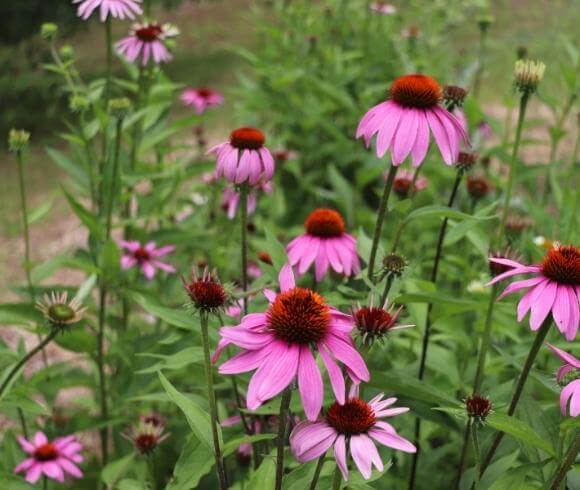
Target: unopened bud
{"points": [[18, 139], [528, 75], [119, 108]]}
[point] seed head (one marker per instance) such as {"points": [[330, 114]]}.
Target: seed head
{"points": [[453, 96], [466, 161], [59, 312], [528, 75], [393, 264], [206, 293]]}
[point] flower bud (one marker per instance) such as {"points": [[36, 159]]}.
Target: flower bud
{"points": [[78, 103], [119, 108], [528, 75], [67, 53], [18, 139], [484, 22], [48, 30], [478, 407]]}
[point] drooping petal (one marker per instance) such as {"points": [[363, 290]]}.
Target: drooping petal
{"points": [[334, 373], [542, 304], [565, 356], [310, 383], [348, 355], [340, 456], [406, 136], [359, 449], [244, 361]]}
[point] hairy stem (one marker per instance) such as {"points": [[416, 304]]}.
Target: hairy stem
{"points": [[317, 471], [281, 441], [244, 223], [20, 364], [212, 403], [380, 219], [477, 453], [566, 463], [540, 336]]}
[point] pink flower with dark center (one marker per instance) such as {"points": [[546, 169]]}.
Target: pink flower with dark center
{"points": [[231, 198], [569, 371], [325, 244], [403, 183], [244, 158], [201, 98], [383, 8], [147, 41], [554, 287], [145, 257], [404, 121], [279, 343], [119, 9], [351, 428], [52, 459]]}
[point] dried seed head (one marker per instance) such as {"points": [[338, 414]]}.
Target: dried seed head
{"points": [[528, 75], [393, 265]]}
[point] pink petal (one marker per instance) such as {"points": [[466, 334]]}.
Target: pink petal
{"points": [[24, 465], [309, 255], [565, 356], [286, 278], [26, 446], [70, 468], [245, 361], [39, 439], [359, 448], [440, 136], [310, 440], [33, 474], [334, 373], [340, 456], [148, 270], [245, 338], [348, 355], [542, 302], [310, 383], [405, 137], [53, 470], [421, 144], [561, 308], [517, 285], [321, 263], [388, 128], [392, 440]]}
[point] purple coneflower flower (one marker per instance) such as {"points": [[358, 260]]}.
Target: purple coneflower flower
{"points": [[571, 391], [201, 98], [402, 123], [554, 287], [53, 459], [244, 158], [278, 345], [231, 198], [145, 257], [120, 9], [147, 41], [356, 425], [325, 244]]}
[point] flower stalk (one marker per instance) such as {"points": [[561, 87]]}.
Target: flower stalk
{"points": [[380, 220], [540, 336], [477, 453], [25, 224], [244, 190], [281, 440], [212, 401], [317, 471], [566, 464]]}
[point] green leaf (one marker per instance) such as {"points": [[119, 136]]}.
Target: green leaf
{"points": [[276, 250], [183, 358], [232, 445], [195, 461], [19, 314], [442, 212], [400, 384], [115, 470], [64, 162], [520, 430], [515, 479], [265, 475], [197, 418], [87, 218], [177, 318], [39, 212]]}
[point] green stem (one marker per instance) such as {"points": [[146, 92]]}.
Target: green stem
{"points": [[485, 340], [114, 177], [104, 433], [427, 333], [514, 157], [566, 464], [244, 223], [23, 423], [540, 336], [337, 479], [20, 364], [212, 402], [25, 225], [317, 471], [281, 441], [388, 285], [109, 42], [480, 63], [44, 483], [463, 456], [380, 219], [477, 454], [402, 223]]}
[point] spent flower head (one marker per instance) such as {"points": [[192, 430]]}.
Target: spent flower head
{"points": [[392, 265], [453, 96], [58, 311], [147, 434], [528, 75], [466, 161], [18, 139]]}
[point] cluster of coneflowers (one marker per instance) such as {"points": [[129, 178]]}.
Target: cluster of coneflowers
{"points": [[284, 344]]}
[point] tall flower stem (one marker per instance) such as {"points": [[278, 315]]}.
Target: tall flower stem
{"points": [[212, 402], [380, 219], [480, 61], [485, 340], [477, 453], [20, 364], [319, 465], [244, 224], [401, 226], [462, 458], [337, 480], [427, 333], [25, 225], [282, 430], [566, 464], [513, 160], [104, 432], [540, 336], [109, 48]]}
